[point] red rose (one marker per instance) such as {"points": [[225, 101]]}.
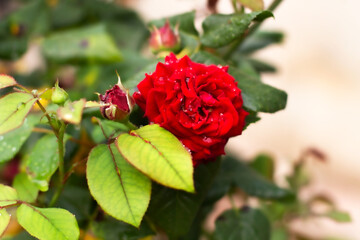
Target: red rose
{"points": [[201, 105]]}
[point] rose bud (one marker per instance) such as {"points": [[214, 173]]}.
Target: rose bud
{"points": [[117, 102], [59, 95], [164, 39]]}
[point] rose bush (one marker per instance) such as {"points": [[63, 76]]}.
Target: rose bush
{"points": [[201, 105]]}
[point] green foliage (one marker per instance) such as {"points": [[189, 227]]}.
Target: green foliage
{"points": [[72, 111], [243, 224], [113, 182], [14, 108], [6, 81], [158, 154], [234, 173], [259, 40], [264, 165], [11, 142], [220, 30], [26, 189], [4, 220], [48, 223], [91, 43], [43, 161], [173, 210], [8, 195]]}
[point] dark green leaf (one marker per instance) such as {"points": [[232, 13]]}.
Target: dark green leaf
{"points": [[260, 40], [264, 165], [111, 229], [86, 44], [74, 13], [243, 224], [138, 77], [173, 210], [261, 66], [220, 30], [185, 21], [257, 96], [237, 174]]}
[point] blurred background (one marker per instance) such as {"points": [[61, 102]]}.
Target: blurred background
{"points": [[317, 67]]}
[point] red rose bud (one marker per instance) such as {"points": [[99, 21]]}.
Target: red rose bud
{"points": [[200, 104], [117, 102], [164, 39]]}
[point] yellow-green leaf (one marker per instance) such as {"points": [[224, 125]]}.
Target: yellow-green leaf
{"points": [[6, 81], [72, 111], [13, 108], [48, 223], [25, 188], [8, 195], [160, 155], [121, 190]]}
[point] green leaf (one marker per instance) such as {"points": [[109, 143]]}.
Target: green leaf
{"points": [[238, 174], [259, 40], [174, 211], [112, 229], [339, 216], [86, 44], [220, 30], [264, 165], [25, 188], [43, 161], [6, 81], [184, 20], [261, 66], [4, 220], [14, 107], [138, 77], [121, 190], [12, 48], [110, 128], [257, 96], [160, 155], [72, 111], [243, 224], [48, 223], [11, 142], [8, 195]]}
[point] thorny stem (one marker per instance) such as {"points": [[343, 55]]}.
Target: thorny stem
{"points": [[56, 132], [251, 30], [60, 139]]}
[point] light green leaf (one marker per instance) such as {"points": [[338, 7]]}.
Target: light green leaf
{"points": [[11, 142], [254, 5], [220, 30], [8, 195], [43, 161], [48, 223], [160, 155], [25, 188], [121, 190], [72, 111], [4, 221], [243, 224], [339, 216], [91, 43], [6, 81], [13, 108]]}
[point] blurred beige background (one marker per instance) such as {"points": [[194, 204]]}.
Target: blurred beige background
{"points": [[319, 68]]}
